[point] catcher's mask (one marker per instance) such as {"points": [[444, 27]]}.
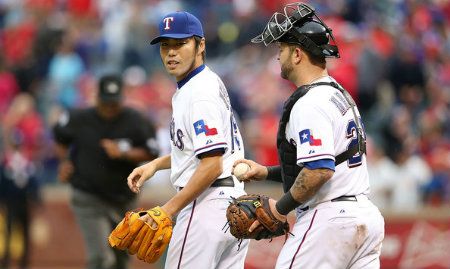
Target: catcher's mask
{"points": [[299, 24]]}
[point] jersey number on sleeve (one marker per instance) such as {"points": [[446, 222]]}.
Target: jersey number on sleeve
{"points": [[234, 134], [356, 159]]}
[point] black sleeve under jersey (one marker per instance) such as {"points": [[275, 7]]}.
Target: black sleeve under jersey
{"points": [[213, 152], [274, 173]]}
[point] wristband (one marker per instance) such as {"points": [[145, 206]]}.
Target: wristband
{"points": [[286, 204], [274, 173]]}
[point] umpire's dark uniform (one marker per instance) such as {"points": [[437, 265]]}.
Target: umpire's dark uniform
{"points": [[100, 195]]}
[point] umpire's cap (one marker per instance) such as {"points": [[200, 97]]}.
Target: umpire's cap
{"points": [[180, 24], [110, 88]]}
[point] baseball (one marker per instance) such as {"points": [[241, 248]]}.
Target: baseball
{"points": [[240, 169]]}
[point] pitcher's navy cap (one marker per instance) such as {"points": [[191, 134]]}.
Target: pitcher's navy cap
{"points": [[180, 24]]}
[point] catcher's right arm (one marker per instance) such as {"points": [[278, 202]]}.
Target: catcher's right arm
{"points": [[138, 237]]}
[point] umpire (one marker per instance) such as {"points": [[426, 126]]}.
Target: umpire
{"points": [[98, 147]]}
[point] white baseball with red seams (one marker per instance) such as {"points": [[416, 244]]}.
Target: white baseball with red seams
{"points": [[240, 170]]}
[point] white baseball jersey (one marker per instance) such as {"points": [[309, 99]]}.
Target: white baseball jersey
{"points": [[322, 126], [203, 121], [331, 234]]}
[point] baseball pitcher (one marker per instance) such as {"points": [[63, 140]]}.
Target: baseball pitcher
{"points": [[206, 141]]}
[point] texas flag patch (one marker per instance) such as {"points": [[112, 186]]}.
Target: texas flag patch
{"points": [[306, 136], [201, 127]]}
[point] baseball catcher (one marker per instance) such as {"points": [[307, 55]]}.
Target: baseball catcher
{"points": [[251, 217], [145, 233], [321, 151]]}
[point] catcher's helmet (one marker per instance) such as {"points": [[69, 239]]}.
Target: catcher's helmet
{"points": [[299, 24]]}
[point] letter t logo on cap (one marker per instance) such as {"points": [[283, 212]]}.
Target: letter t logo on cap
{"points": [[167, 20]]}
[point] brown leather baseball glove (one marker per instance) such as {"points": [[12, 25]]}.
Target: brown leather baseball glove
{"points": [[139, 237], [243, 211]]}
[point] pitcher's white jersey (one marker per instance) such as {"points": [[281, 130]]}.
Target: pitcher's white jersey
{"points": [[322, 126], [202, 121]]}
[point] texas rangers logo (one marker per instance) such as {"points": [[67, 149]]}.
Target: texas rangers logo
{"points": [[167, 21], [306, 136], [201, 127]]}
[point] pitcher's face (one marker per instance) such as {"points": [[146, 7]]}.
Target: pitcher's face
{"points": [[179, 56]]}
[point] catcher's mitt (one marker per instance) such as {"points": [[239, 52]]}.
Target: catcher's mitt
{"points": [[137, 236], [244, 210]]}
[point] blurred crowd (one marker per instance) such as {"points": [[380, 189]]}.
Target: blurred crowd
{"points": [[395, 62]]}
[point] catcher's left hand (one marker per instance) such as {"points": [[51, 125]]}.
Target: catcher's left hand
{"points": [[134, 234], [252, 217]]}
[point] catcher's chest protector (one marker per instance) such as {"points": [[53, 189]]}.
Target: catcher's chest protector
{"points": [[287, 152]]}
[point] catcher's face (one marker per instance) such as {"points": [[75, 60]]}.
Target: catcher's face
{"points": [[181, 56], [284, 56]]}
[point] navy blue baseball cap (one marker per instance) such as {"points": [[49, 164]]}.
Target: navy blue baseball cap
{"points": [[178, 25]]}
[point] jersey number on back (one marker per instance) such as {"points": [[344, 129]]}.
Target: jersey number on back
{"points": [[356, 159]]}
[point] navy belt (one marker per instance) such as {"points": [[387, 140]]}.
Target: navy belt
{"points": [[223, 182], [348, 198], [343, 198], [220, 182]]}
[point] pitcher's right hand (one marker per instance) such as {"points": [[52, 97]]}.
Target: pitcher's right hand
{"points": [[139, 175]]}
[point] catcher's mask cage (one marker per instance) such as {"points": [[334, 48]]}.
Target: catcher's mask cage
{"points": [[299, 24]]}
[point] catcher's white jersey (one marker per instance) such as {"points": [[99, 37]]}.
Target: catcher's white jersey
{"points": [[346, 232], [202, 121], [322, 126]]}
